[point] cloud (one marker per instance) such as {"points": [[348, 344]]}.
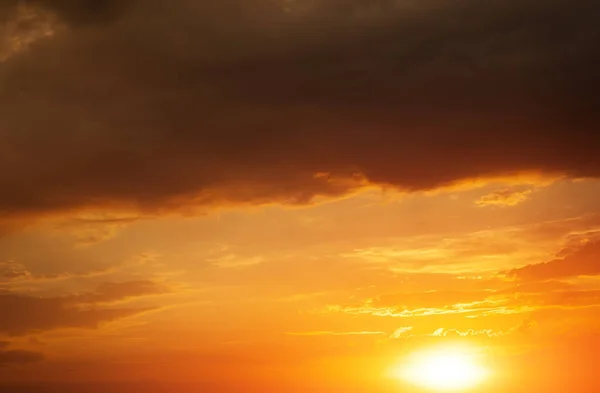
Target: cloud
{"points": [[327, 333], [154, 106], [110, 292], [441, 332], [428, 299], [83, 12], [516, 303], [573, 229], [93, 229], [504, 197], [401, 332], [482, 307], [584, 261], [16, 356], [523, 327], [22, 26], [562, 299], [12, 271], [500, 299], [538, 287], [29, 314]]}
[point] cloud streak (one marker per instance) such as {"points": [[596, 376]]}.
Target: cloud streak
{"points": [[16, 356], [30, 314], [328, 333], [584, 261]]}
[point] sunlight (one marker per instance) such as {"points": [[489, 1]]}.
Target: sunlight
{"points": [[442, 369]]}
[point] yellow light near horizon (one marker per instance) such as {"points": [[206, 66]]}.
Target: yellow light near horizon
{"points": [[443, 369]]}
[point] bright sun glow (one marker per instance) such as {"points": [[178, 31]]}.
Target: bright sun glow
{"points": [[443, 369]]}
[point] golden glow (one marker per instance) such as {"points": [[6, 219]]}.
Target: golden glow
{"points": [[443, 369]]}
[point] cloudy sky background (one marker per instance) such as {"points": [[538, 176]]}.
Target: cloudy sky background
{"points": [[273, 194]]}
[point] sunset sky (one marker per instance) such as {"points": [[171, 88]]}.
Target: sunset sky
{"points": [[298, 195]]}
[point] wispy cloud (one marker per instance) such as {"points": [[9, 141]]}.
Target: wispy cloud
{"points": [[484, 306], [401, 332], [26, 24], [571, 262], [34, 313], [328, 333], [18, 356], [504, 198]]}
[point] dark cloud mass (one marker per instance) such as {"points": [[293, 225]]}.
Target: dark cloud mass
{"points": [[156, 105]]}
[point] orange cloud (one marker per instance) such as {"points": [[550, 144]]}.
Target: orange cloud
{"points": [[16, 356], [326, 333], [428, 299], [29, 313], [441, 332], [11, 270], [482, 307], [25, 25], [93, 229], [504, 197], [584, 261]]}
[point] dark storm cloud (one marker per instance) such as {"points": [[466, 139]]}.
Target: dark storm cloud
{"points": [[157, 105], [20, 314]]}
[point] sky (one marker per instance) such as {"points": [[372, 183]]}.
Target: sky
{"points": [[297, 195]]}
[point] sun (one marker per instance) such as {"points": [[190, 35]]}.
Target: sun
{"points": [[443, 369]]}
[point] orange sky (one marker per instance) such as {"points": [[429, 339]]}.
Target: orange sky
{"points": [[271, 204], [326, 295]]}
